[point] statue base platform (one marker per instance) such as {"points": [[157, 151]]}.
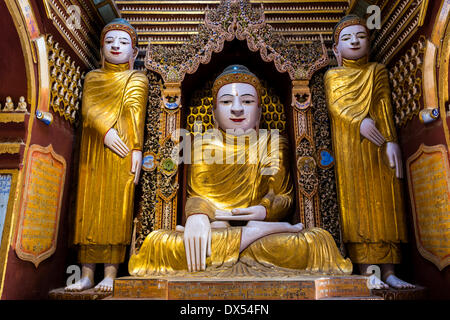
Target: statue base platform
{"points": [[91, 294], [418, 293], [307, 287]]}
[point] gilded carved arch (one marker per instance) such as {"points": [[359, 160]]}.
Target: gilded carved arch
{"points": [[17, 11]]}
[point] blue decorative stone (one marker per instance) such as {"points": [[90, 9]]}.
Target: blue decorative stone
{"points": [[171, 105], [326, 158], [435, 113]]}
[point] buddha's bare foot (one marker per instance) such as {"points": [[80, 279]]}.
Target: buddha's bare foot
{"points": [[258, 229], [373, 282], [219, 224], [179, 228], [279, 226], [298, 227], [106, 285], [397, 283], [81, 285]]}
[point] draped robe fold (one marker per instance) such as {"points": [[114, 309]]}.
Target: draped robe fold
{"points": [[241, 179], [370, 194], [113, 97]]}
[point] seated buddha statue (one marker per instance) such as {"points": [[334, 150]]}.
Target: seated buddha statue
{"points": [[227, 183]]}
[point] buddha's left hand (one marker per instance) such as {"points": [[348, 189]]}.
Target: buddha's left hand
{"points": [[136, 164], [395, 158], [243, 214]]}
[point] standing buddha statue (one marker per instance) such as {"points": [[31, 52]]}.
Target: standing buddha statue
{"points": [[113, 115], [368, 158]]}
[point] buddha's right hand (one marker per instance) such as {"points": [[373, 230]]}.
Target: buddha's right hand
{"points": [[197, 241], [369, 131], [113, 142]]}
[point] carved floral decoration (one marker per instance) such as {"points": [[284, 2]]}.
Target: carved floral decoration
{"points": [[236, 20]]}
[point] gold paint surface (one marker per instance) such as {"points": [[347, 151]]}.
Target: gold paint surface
{"points": [[12, 117], [312, 251], [429, 187], [10, 148]]}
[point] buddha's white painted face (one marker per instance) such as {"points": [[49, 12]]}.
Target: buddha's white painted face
{"points": [[353, 43], [118, 47], [237, 107]]}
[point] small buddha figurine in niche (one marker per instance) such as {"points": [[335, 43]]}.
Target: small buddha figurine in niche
{"points": [[113, 115], [368, 158], [22, 105], [9, 104], [233, 188]]}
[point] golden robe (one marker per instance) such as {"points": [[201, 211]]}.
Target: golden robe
{"points": [[370, 195], [240, 185], [113, 97], [238, 181], [312, 251]]}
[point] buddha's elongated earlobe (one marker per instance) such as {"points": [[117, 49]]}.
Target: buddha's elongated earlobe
{"points": [[215, 123], [337, 55], [133, 58], [258, 122], [102, 58]]}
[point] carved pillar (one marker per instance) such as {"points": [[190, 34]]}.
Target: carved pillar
{"points": [[306, 165], [167, 176]]}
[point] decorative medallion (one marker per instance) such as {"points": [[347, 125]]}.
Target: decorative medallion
{"points": [[306, 165], [168, 166], [149, 161], [308, 181]]}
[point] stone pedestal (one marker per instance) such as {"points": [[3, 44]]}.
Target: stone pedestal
{"points": [[91, 294], [195, 288], [418, 293]]}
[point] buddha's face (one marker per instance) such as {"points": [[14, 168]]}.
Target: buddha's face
{"points": [[353, 43], [118, 47], [237, 107]]}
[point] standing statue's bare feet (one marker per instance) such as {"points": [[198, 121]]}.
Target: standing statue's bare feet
{"points": [[373, 282], [298, 227], [106, 285], [81, 285], [397, 283]]}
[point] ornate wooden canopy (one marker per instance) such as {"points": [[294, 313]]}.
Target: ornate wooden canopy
{"points": [[172, 23], [236, 19]]}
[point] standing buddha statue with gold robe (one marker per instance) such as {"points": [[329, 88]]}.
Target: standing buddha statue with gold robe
{"points": [[227, 185], [368, 159], [113, 115]]}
